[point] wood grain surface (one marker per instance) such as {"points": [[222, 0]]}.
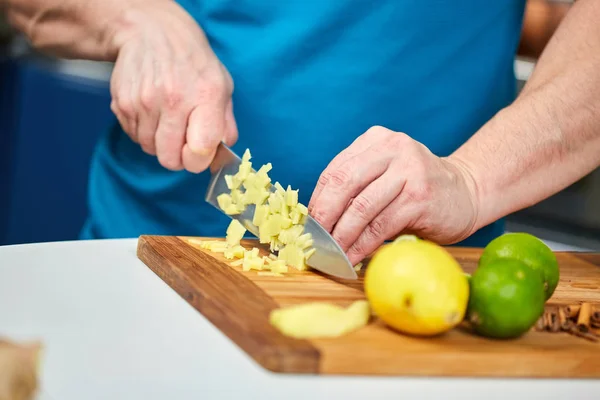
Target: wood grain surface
{"points": [[238, 303]]}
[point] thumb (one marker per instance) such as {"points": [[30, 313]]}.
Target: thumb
{"points": [[204, 132], [205, 128], [231, 133]]}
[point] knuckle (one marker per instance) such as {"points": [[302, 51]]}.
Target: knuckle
{"points": [[378, 131], [400, 141], [147, 98], [361, 206], [375, 130], [320, 215], [323, 179], [172, 97], [125, 106], [213, 88], [375, 229], [359, 247], [338, 178]]}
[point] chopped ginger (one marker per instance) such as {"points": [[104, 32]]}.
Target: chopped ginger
{"points": [[268, 273], [320, 319], [291, 197], [235, 233], [278, 216], [237, 263], [260, 214], [234, 252], [224, 200]]}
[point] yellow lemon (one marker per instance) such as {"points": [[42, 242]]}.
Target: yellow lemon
{"points": [[417, 287]]}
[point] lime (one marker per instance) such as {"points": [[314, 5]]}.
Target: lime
{"points": [[529, 250], [506, 298], [416, 287]]}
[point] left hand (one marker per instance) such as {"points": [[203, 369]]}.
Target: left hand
{"points": [[386, 184]]}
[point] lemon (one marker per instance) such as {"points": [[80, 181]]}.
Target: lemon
{"points": [[410, 238], [416, 287], [529, 250]]}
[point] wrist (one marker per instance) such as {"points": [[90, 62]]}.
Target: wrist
{"points": [[126, 23], [465, 179], [490, 163], [139, 18]]}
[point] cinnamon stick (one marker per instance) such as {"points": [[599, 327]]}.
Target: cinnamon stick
{"points": [[554, 322], [568, 325], [584, 333], [583, 319], [563, 320], [572, 310], [539, 325], [596, 315], [547, 321]]}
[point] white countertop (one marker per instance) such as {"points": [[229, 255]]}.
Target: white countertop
{"points": [[113, 330]]}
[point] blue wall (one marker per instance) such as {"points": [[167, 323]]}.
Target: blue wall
{"points": [[50, 121]]}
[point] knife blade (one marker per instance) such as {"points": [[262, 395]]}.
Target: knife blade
{"points": [[328, 257]]}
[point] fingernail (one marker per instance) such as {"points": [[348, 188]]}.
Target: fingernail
{"points": [[200, 149]]}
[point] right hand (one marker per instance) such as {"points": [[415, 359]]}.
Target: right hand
{"points": [[170, 92]]}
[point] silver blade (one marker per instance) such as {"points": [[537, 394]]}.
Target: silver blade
{"points": [[328, 257]]}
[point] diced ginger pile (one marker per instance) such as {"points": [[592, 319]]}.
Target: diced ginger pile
{"points": [[278, 215]]}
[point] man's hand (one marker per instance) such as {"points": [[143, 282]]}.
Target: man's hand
{"points": [[169, 91], [386, 184]]}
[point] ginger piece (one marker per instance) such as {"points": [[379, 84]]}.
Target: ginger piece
{"points": [[320, 319], [19, 369]]}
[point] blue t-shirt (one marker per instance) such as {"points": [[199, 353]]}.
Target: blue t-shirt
{"points": [[311, 76]]}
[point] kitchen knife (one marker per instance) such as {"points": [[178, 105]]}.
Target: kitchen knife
{"points": [[328, 257]]}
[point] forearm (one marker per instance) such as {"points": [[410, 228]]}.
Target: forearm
{"points": [[85, 29], [550, 136]]}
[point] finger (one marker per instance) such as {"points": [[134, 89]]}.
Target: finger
{"points": [[170, 138], [231, 132], [147, 124], [121, 91], [197, 159], [122, 120], [206, 125], [343, 184], [194, 162], [148, 110], [338, 160], [359, 145], [393, 219], [366, 206]]}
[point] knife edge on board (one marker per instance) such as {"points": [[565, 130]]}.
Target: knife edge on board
{"points": [[328, 257]]}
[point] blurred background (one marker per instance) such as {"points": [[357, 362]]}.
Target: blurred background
{"points": [[63, 107]]}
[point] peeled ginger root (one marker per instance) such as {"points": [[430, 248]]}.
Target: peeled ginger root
{"points": [[19, 366], [320, 319]]}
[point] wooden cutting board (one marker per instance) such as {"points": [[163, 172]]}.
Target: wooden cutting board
{"points": [[238, 303]]}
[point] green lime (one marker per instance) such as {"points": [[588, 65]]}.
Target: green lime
{"points": [[529, 250], [506, 299]]}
